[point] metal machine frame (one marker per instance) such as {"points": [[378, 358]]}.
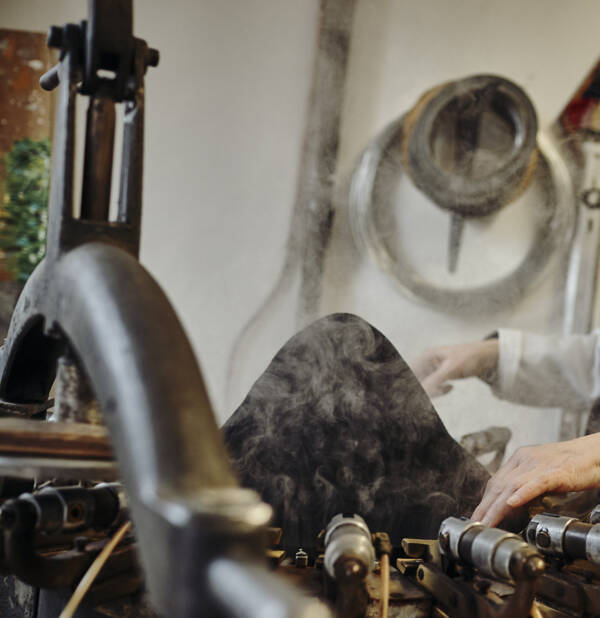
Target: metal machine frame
{"points": [[90, 299]]}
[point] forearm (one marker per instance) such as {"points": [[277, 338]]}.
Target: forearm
{"points": [[548, 370], [535, 470]]}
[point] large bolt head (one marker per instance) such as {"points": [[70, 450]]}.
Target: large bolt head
{"points": [[55, 36], [543, 538]]}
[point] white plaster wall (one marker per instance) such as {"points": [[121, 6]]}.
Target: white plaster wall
{"points": [[225, 117]]}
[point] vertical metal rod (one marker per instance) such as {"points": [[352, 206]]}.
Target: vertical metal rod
{"points": [[98, 162], [60, 207], [313, 209], [130, 195], [132, 158], [314, 197]]}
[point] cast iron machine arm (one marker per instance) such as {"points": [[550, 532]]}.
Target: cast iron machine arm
{"points": [[91, 299]]}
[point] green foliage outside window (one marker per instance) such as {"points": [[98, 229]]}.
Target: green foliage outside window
{"points": [[24, 216]]}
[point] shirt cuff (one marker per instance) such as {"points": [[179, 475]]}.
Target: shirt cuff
{"points": [[510, 345]]}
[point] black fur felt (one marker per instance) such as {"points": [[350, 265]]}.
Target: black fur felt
{"points": [[339, 423]]}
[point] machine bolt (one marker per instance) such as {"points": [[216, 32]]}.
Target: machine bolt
{"points": [[75, 512], [543, 538], [301, 560]]}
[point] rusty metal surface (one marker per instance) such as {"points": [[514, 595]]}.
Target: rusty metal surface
{"points": [[25, 410], [17, 600], [75, 400], [41, 546], [99, 146], [52, 602]]}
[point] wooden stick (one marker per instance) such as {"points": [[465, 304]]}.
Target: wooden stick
{"points": [[384, 566], [52, 439], [88, 579]]}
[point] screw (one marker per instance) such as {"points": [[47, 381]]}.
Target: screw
{"points": [[301, 560], [543, 538], [75, 512]]}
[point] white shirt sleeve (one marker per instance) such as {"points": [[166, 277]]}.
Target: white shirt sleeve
{"points": [[548, 371]]}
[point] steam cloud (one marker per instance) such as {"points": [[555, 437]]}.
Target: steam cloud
{"points": [[339, 423]]}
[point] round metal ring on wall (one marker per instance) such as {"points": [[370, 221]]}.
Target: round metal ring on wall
{"points": [[380, 165], [459, 108]]}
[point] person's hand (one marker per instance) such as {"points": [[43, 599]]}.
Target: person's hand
{"points": [[436, 366], [535, 470]]}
